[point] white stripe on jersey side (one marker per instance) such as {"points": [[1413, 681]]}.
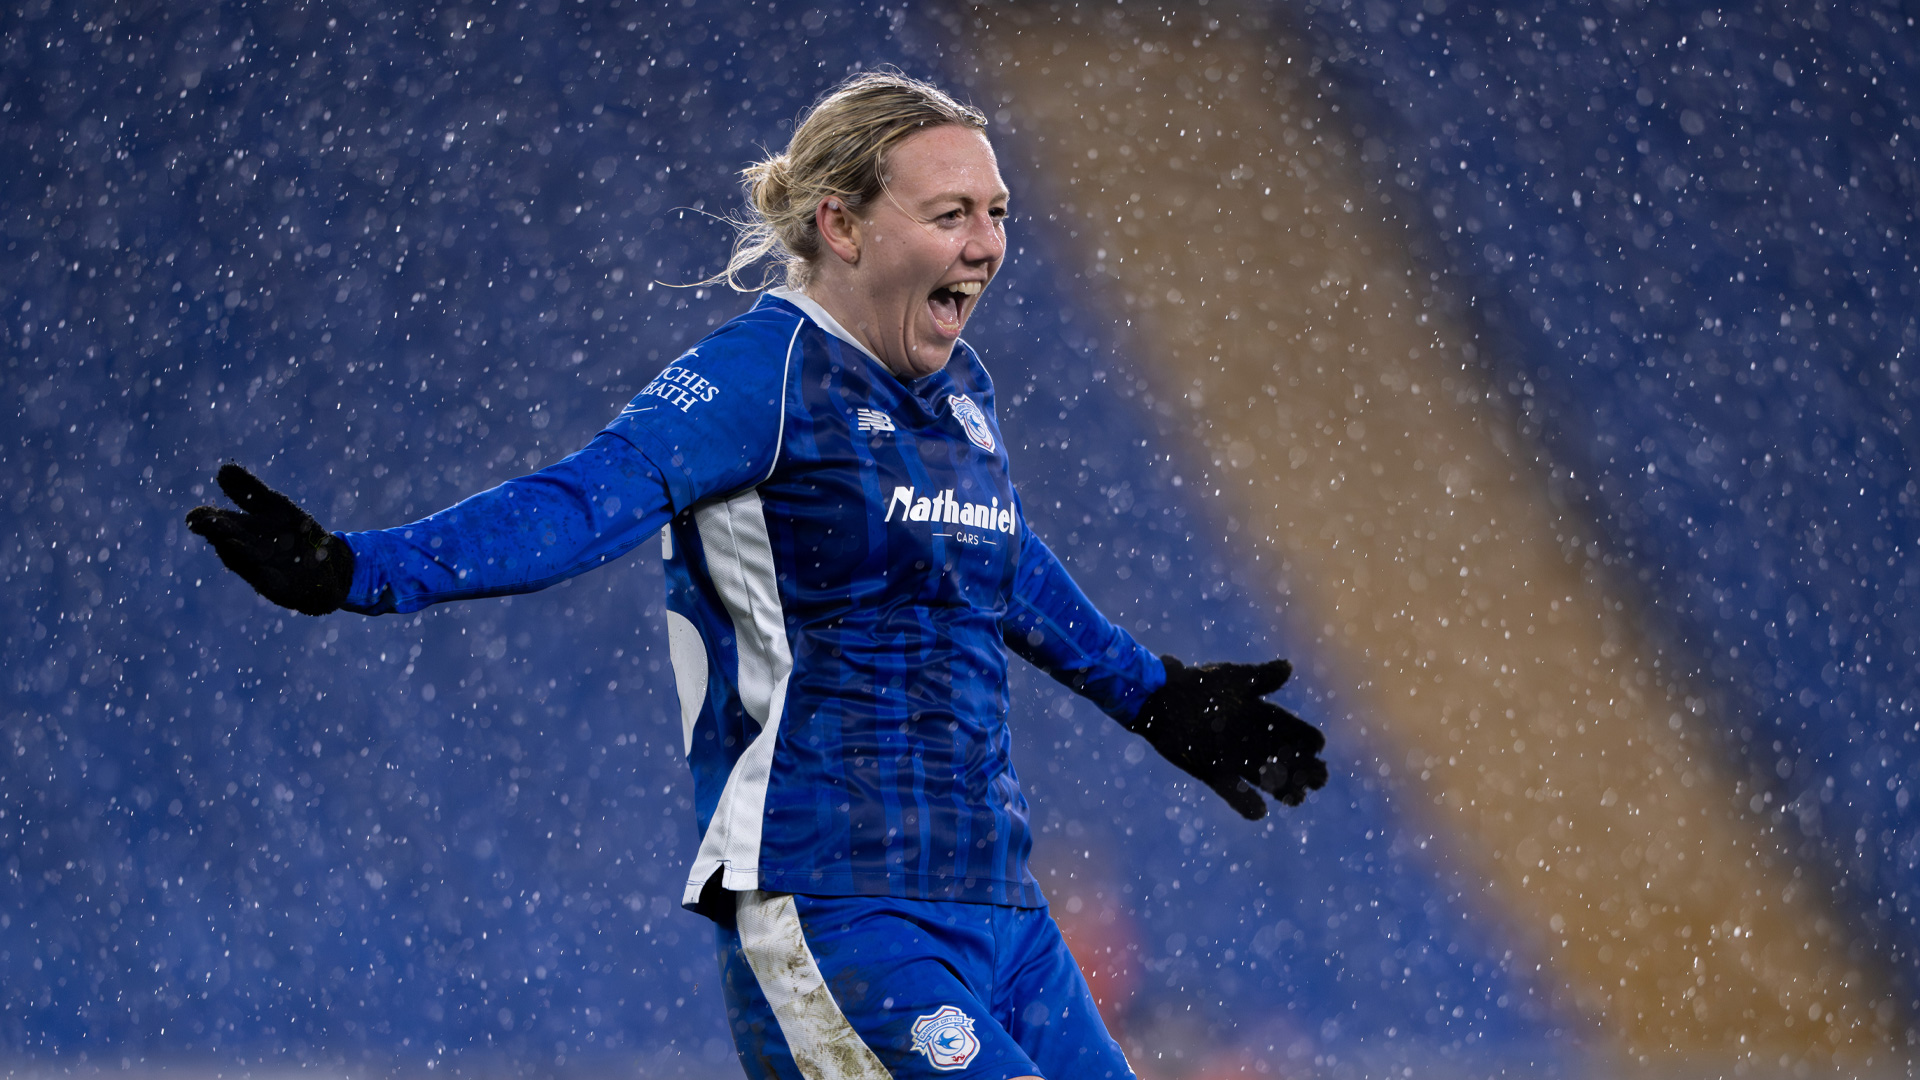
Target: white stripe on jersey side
{"points": [[739, 561], [744, 578], [689, 655], [824, 1045]]}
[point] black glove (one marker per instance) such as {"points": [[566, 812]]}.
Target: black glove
{"points": [[1210, 721], [276, 546]]}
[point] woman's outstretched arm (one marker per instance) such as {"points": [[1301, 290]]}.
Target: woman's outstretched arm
{"points": [[1211, 720], [525, 534], [522, 535]]}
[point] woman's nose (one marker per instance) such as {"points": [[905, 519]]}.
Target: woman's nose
{"points": [[986, 240]]}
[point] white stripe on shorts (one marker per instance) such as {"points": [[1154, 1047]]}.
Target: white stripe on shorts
{"points": [[824, 1045]]}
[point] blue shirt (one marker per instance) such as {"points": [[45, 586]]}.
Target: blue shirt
{"points": [[847, 566]]}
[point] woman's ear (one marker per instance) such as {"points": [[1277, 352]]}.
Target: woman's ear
{"points": [[839, 229]]}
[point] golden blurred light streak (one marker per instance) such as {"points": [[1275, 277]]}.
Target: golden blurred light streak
{"points": [[1218, 196]]}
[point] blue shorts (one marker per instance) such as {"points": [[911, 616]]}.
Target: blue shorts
{"points": [[871, 987]]}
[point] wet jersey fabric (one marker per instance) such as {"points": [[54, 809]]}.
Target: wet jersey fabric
{"points": [[881, 988], [847, 566]]}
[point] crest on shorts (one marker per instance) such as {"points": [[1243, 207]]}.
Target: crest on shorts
{"points": [[973, 420], [946, 1035]]}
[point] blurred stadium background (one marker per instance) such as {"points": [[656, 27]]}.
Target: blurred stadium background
{"points": [[1538, 377]]}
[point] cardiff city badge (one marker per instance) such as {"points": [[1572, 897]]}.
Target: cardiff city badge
{"points": [[973, 420], [946, 1036]]}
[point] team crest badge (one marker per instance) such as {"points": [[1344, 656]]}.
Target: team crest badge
{"points": [[973, 420], [946, 1035]]}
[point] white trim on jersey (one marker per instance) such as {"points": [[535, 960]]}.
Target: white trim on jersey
{"points": [[824, 1045], [819, 315], [740, 564], [689, 656]]}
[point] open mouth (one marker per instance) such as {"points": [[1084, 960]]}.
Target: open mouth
{"points": [[948, 303]]}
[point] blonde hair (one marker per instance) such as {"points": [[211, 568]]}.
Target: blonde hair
{"points": [[839, 150]]}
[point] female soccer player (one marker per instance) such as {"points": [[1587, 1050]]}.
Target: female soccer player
{"points": [[847, 568]]}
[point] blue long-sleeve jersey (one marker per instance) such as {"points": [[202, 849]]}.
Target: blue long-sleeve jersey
{"points": [[847, 566]]}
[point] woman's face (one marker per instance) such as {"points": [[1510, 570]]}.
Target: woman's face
{"points": [[923, 251]]}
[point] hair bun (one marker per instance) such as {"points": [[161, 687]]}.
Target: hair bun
{"points": [[773, 184]]}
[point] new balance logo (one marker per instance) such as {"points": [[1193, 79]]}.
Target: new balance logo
{"points": [[872, 420]]}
